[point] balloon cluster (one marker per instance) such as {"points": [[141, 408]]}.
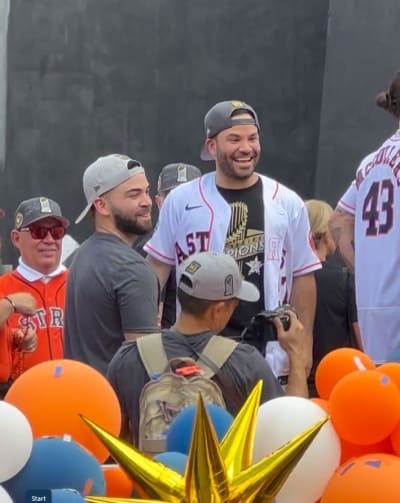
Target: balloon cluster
{"points": [[45, 446], [355, 457], [363, 403]]}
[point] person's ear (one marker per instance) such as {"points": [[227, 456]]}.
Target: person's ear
{"points": [[158, 200], [212, 146], [15, 237], [101, 206]]}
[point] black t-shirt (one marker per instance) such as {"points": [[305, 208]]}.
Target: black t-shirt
{"points": [[335, 311], [245, 243]]}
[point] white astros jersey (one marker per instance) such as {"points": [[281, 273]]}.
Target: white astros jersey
{"points": [[195, 217], [374, 199]]}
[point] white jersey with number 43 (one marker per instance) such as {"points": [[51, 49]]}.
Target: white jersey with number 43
{"points": [[374, 199]]}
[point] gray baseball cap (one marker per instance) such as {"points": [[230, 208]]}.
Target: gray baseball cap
{"points": [[219, 117], [214, 276], [105, 174], [174, 174], [35, 209]]}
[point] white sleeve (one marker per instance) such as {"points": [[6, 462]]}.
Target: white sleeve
{"points": [[304, 257], [161, 245], [349, 199]]}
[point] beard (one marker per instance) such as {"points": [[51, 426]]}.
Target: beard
{"points": [[131, 226], [226, 166]]}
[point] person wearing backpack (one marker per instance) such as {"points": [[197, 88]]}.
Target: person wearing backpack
{"points": [[158, 375]]}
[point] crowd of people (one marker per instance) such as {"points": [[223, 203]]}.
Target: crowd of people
{"points": [[227, 245]]}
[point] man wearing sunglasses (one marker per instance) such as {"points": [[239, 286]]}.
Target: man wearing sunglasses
{"points": [[32, 297]]}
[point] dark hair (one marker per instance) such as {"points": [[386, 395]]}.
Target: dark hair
{"points": [[191, 305], [390, 100]]}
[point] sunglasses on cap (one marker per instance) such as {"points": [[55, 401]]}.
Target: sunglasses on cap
{"points": [[38, 232]]}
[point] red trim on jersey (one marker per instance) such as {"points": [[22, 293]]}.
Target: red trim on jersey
{"points": [[211, 211], [156, 252], [276, 190], [313, 267], [347, 206]]}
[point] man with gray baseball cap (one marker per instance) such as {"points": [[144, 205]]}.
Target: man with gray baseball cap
{"points": [[210, 286], [225, 115], [112, 292], [247, 215]]}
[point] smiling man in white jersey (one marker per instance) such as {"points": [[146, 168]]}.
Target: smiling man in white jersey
{"points": [[259, 222], [367, 216]]}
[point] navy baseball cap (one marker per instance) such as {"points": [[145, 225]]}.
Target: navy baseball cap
{"points": [[219, 117], [174, 174]]}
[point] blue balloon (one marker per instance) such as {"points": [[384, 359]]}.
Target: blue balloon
{"points": [[175, 460], [57, 464], [66, 496], [179, 434]]}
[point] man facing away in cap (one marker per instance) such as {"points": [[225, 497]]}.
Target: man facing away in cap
{"points": [[261, 223], [210, 287], [32, 297], [170, 176], [112, 292]]}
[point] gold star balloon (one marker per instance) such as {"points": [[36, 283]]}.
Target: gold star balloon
{"points": [[214, 473]]}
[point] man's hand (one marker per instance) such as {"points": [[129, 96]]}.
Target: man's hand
{"points": [[296, 343], [25, 340]]}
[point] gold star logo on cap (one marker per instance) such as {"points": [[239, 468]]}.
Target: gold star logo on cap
{"points": [[237, 104], [19, 218], [193, 267]]}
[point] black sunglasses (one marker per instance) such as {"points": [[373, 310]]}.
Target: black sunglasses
{"points": [[38, 232]]}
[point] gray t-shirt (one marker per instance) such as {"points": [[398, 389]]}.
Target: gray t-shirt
{"points": [[236, 379], [111, 289]]}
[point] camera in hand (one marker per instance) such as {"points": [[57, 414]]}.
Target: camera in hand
{"points": [[261, 328]]}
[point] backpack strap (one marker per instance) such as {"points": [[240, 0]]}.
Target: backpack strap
{"points": [[152, 354], [217, 350], [151, 350]]}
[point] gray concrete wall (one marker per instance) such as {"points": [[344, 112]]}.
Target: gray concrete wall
{"points": [[361, 58], [4, 12]]}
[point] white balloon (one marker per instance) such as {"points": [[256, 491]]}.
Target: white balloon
{"points": [[16, 440], [4, 496], [279, 421]]}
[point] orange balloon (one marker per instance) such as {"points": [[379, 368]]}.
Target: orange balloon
{"points": [[118, 483], [368, 479], [349, 450], [54, 393], [391, 369], [364, 407], [324, 404], [395, 440], [337, 364]]}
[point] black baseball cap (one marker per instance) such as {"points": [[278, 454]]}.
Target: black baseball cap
{"points": [[219, 117], [174, 174], [35, 209]]}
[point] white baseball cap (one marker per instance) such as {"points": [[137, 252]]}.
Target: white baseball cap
{"points": [[105, 174], [215, 276]]}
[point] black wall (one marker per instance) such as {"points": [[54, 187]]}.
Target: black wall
{"points": [[89, 77], [362, 56]]}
